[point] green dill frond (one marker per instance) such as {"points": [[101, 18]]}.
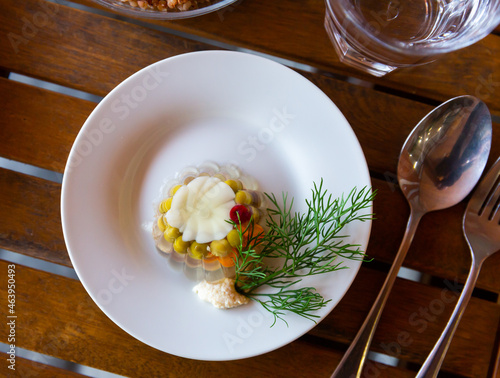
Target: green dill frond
{"points": [[304, 244]]}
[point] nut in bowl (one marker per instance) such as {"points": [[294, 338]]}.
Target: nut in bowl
{"points": [[165, 9]]}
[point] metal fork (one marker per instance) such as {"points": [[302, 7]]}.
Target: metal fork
{"points": [[481, 228]]}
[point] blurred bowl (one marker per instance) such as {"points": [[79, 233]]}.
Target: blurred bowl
{"points": [[145, 9]]}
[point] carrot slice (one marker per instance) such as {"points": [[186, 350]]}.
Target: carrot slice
{"points": [[228, 260], [257, 232], [209, 258]]}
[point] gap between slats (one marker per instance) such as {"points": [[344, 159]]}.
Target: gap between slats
{"points": [[54, 87]]}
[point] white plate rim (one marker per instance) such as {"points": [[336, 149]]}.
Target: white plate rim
{"points": [[66, 216]]}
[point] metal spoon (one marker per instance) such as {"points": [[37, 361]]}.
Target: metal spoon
{"points": [[439, 164]]}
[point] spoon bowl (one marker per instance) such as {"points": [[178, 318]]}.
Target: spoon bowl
{"points": [[439, 164], [444, 156]]}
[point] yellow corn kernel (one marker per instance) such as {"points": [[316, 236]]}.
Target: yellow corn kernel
{"points": [[168, 238], [162, 225], [165, 205], [174, 189]]}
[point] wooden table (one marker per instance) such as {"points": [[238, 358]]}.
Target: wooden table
{"points": [[78, 45]]}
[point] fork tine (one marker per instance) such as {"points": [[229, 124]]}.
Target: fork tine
{"points": [[484, 189], [493, 207]]}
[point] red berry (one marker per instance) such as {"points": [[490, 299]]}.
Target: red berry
{"points": [[242, 211]]}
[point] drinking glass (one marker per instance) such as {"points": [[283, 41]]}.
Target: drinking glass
{"points": [[379, 36]]}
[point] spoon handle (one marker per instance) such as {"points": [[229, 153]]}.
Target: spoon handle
{"points": [[432, 364], [353, 360]]}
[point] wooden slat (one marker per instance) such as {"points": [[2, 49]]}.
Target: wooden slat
{"points": [[31, 222], [26, 368], [78, 331], [495, 367], [37, 117], [274, 28], [74, 47]]}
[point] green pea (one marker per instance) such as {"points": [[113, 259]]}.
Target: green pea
{"points": [[198, 250], [233, 237], [172, 232], [234, 184], [220, 247], [243, 198], [180, 246]]}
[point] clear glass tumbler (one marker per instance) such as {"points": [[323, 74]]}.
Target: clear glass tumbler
{"points": [[379, 36]]}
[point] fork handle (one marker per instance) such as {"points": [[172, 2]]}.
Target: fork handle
{"points": [[353, 360], [432, 364]]}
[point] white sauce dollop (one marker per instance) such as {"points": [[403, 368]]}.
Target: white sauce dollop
{"points": [[200, 209], [222, 293]]}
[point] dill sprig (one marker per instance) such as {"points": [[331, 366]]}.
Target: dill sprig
{"points": [[298, 245]]}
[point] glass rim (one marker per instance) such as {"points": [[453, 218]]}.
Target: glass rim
{"points": [[432, 48]]}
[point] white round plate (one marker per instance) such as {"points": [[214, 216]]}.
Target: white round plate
{"points": [[225, 107]]}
